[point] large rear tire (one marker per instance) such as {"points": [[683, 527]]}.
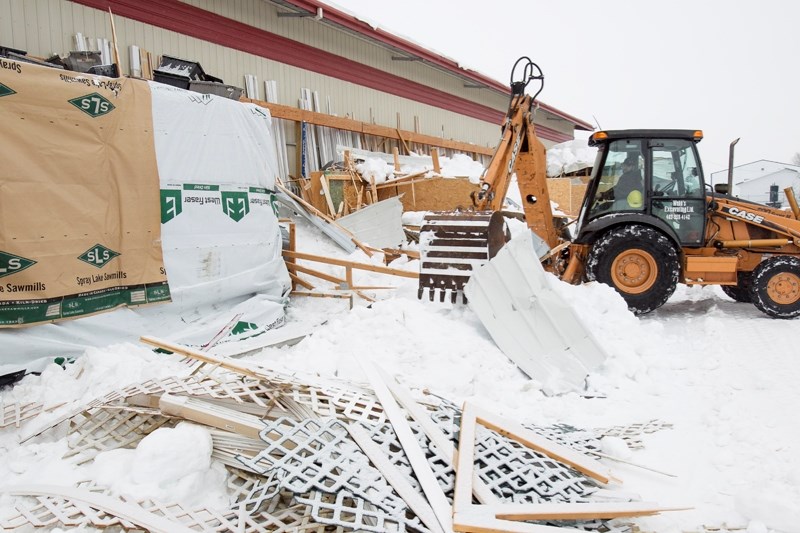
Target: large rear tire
{"points": [[776, 286], [740, 292], [640, 262]]}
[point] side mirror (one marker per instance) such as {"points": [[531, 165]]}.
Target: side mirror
{"points": [[721, 188]]}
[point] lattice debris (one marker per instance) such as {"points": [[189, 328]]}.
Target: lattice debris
{"points": [[632, 433], [305, 473]]}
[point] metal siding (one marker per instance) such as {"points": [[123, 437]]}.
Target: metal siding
{"points": [[41, 34]]}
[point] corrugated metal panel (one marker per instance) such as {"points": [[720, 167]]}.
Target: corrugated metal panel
{"points": [[529, 321]]}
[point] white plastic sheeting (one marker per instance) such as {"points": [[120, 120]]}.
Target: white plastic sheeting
{"points": [[529, 321], [220, 236]]}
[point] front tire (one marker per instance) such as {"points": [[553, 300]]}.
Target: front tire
{"points": [[639, 262], [776, 287]]}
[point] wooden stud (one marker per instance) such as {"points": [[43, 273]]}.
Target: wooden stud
{"points": [[323, 181], [396, 154], [374, 189], [435, 158]]}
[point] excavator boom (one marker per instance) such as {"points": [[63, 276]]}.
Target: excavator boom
{"points": [[452, 244]]}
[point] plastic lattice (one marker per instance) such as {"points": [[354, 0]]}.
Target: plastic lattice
{"points": [[343, 508], [521, 475], [632, 433], [16, 413], [318, 456], [340, 402], [110, 427]]}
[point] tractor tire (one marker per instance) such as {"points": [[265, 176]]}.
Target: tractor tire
{"points": [[741, 291], [639, 262], [776, 286]]}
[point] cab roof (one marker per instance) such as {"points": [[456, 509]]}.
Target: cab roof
{"points": [[604, 136]]}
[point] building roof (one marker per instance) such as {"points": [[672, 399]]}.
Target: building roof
{"points": [[411, 50]]}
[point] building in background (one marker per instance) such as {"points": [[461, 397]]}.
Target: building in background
{"points": [[347, 67], [762, 181]]}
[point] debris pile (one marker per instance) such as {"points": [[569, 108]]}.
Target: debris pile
{"points": [[305, 454]]}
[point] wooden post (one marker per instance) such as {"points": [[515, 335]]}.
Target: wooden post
{"points": [[114, 38], [396, 154], [435, 158], [374, 190]]}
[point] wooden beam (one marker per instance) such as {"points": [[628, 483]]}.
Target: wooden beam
{"points": [[352, 264], [321, 119]]}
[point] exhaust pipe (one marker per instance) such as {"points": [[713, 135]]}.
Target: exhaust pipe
{"points": [[730, 168]]}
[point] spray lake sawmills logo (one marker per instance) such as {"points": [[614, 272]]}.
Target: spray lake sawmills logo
{"points": [[98, 256], [11, 264], [94, 105], [5, 90]]}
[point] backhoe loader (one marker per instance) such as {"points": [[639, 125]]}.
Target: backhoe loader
{"points": [[647, 222]]}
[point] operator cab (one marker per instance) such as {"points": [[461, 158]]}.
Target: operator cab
{"points": [[647, 173]]}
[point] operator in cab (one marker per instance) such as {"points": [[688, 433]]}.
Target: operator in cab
{"points": [[630, 184]]}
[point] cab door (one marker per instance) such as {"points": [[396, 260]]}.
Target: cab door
{"points": [[677, 189]]}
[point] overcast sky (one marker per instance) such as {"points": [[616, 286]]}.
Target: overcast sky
{"points": [[729, 68]]}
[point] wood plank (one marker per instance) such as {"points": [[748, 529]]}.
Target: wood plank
{"points": [[321, 119], [395, 478], [438, 438], [351, 264], [575, 511], [323, 181], [211, 415], [559, 452], [422, 470], [185, 351]]}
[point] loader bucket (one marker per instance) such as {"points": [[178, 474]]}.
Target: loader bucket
{"points": [[452, 245]]}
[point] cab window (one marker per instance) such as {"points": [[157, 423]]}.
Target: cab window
{"points": [[621, 183]]}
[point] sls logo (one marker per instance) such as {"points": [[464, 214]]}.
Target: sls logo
{"points": [[11, 264], [98, 256], [94, 105]]}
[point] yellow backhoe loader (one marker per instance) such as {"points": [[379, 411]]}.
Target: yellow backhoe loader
{"points": [[648, 221]]}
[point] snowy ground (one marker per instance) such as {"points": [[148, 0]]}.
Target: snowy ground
{"points": [[721, 373]]}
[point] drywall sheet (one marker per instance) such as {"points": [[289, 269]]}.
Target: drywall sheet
{"points": [[79, 196]]}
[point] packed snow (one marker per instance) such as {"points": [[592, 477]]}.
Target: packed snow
{"points": [[720, 377]]}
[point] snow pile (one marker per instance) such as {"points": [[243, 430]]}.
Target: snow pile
{"points": [[723, 375], [461, 165], [375, 169], [458, 166], [569, 156], [169, 464]]}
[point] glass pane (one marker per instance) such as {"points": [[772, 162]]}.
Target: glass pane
{"points": [[675, 169], [621, 184]]}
